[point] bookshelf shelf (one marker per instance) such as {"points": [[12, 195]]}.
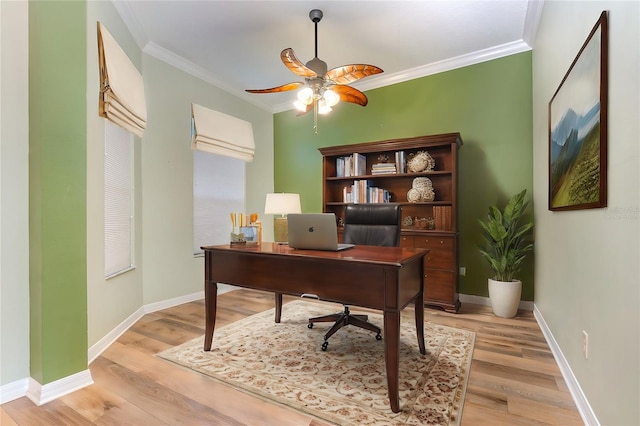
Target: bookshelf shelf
{"points": [[392, 175], [340, 179]]}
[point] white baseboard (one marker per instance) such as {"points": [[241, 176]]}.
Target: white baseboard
{"points": [[484, 301], [100, 346], [41, 394], [169, 303], [584, 408], [13, 390]]}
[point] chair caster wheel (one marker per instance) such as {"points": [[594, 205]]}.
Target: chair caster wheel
{"points": [[324, 346], [310, 325], [378, 337]]}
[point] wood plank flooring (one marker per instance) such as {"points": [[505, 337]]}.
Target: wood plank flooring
{"points": [[514, 379]]}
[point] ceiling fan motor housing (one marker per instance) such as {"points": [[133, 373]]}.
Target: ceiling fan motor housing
{"points": [[315, 15], [318, 66]]}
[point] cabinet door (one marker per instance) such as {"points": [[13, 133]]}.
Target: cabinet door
{"points": [[438, 285]]}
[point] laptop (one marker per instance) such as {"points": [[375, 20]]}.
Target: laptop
{"points": [[314, 231]]}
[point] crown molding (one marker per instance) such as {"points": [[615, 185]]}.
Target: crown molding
{"points": [[446, 65], [532, 20], [197, 71], [461, 61], [534, 12], [131, 22]]}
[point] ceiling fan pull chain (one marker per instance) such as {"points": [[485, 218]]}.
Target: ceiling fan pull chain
{"points": [[315, 116]]}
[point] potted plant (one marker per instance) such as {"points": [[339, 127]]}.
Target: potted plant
{"points": [[506, 244]]}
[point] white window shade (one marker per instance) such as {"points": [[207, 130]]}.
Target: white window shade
{"points": [[118, 200], [121, 86], [218, 189], [222, 134]]}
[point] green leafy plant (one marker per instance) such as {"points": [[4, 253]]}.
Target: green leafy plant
{"points": [[506, 240]]}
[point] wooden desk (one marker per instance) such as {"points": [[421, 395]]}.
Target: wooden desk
{"points": [[383, 278]]}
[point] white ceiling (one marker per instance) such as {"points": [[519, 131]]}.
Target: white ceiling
{"points": [[236, 45]]}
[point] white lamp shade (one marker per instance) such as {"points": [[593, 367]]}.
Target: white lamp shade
{"points": [[323, 108], [305, 95], [331, 97], [282, 203]]}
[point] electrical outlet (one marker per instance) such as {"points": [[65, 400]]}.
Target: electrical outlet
{"points": [[463, 271], [585, 344]]}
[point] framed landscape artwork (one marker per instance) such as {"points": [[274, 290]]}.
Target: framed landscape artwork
{"points": [[578, 128]]}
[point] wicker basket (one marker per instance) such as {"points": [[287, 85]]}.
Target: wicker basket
{"points": [[421, 161]]}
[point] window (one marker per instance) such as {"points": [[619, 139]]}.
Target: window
{"points": [[218, 190], [118, 200]]}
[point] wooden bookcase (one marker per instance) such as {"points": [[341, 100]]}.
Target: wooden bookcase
{"points": [[441, 264]]}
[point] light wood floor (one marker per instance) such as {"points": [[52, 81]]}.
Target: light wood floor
{"points": [[514, 379]]}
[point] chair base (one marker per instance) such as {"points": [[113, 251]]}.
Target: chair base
{"points": [[342, 319]]}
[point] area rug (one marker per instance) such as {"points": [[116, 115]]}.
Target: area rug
{"points": [[346, 385]]}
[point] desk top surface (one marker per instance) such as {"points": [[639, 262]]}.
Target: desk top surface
{"points": [[359, 253]]}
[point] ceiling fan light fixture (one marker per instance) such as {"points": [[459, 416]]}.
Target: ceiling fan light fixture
{"points": [[323, 108], [300, 106], [331, 97], [305, 95], [317, 93]]}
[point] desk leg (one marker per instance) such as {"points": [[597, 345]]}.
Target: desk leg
{"points": [[419, 308], [210, 303], [392, 356], [278, 306]]}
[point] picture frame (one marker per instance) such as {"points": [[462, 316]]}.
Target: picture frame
{"points": [[578, 114]]}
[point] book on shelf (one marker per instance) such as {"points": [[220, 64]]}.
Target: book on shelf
{"points": [[340, 167], [348, 168], [352, 165], [362, 191], [401, 162], [378, 195], [359, 164], [346, 194], [442, 217], [383, 168]]}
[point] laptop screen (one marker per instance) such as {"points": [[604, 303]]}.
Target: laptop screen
{"points": [[314, 231]]}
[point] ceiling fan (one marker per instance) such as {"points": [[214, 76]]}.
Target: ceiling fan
{"points": [[321, 89]]}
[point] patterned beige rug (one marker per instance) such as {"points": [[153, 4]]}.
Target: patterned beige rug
{"points": [[345, 385]]}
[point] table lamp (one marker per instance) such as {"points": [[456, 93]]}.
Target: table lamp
{"points": [[281, 204]]}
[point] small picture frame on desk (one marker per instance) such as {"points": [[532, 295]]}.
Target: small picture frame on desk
{"points": [[250, 233]]}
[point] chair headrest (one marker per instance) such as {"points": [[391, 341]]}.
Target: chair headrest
{"points": [[373, 214]]}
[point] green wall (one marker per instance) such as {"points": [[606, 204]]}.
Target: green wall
{"points": [[57, 188], [490, 104]]}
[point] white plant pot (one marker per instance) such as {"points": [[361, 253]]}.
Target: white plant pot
{"points": [[505, 297]]}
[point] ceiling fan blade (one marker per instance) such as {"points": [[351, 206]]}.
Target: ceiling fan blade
{"points": [[290, 61], [350, 94], [283, 88], [349, 73]]}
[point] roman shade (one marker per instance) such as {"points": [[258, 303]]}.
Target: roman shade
{"points": [[121, 86], [218, 133]]}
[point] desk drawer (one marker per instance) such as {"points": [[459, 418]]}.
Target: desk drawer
{"points": [[434, 243], [406, 241]]}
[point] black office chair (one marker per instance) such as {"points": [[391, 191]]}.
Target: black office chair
{"points": [[364, 224]]}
